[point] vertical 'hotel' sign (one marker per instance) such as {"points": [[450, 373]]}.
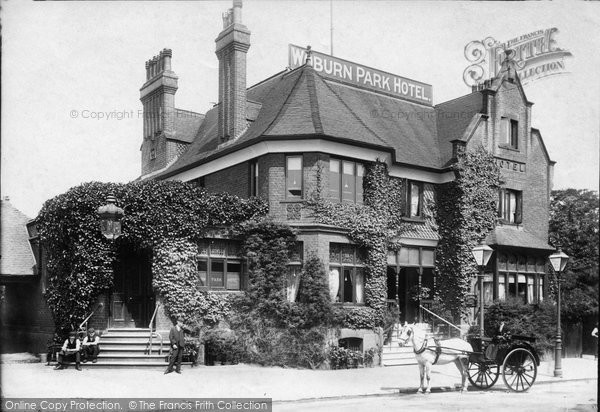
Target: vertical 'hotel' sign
{"points": [[363, 76]]}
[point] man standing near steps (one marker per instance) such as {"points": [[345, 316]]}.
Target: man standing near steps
{"points": [[177, 344]]}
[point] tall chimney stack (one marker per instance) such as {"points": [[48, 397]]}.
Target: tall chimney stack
{"points": [[232, 44], [158, 98]]}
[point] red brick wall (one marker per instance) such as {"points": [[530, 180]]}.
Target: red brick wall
{"points": [[233, 180], [534, 182]]}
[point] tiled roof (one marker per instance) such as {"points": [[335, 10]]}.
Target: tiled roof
{"points": [[301, 103], [186, 125], [454, 119], [424, 232], [16, 257], [513, 237]]}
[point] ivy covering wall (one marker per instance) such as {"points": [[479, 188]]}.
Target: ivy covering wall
{"points": [[166, 217], [465, 213], [373, 226]]}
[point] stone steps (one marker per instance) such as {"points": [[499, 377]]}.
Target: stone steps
{"points": [[127, 348]]}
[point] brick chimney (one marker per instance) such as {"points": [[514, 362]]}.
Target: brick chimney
{"points": [[158, 98], [232, 45]]}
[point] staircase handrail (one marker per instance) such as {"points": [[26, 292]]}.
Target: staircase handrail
{"points": [[85, 321], [440, 318], [152, 332]]}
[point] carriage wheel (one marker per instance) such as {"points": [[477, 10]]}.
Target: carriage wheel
{"points": [[519, 370], [482, 375]]}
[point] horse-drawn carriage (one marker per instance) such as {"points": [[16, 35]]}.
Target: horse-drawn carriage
{"points": [[511, 355], [481, 360]]}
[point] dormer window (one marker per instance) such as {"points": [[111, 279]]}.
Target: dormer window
{"points": [[509, 133]]}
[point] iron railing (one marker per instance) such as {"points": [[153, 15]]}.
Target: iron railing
{"points": [[152, 332]]}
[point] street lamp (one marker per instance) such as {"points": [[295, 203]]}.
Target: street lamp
{"points": [[110, 218], [558, 260], [482, 254]]}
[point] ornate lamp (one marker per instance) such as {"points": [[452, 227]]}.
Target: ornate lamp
{"points": [[482, 254], [110, 218], [558, 260]]}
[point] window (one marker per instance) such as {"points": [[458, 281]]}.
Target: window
{"points": [[293, 177], [509, 132], [346, 273], [524, 276], [219, 264], [346, 181], [414, 199], [294, 270], [152, 154], [488, 289], [253, 181], [510, 205]]}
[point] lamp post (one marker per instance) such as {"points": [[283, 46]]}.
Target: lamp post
{"points": [[482, 254], [558, 260], [110, 218]]}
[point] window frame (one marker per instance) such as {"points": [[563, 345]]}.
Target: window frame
{"points": [[288, 195], [338, 195], [253, 173], [295, 263], [504, 206], [509, 131], [356, 266], [531, 271], [227, 259], [409, 197]]}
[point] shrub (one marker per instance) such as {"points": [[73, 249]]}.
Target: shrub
{"points": [[519, 318], [313, 299], [221, 346], [359, 318], [342, 358]]}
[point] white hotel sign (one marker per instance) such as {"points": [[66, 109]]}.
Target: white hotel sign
{"points": [[362, 76]]}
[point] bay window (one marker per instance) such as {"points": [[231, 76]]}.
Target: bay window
{"points": [[345, 181], [293, 271], [346, 273], [293, 177]]}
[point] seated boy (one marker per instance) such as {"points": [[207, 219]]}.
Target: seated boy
{"points": [[69, 351], [91, 346]]}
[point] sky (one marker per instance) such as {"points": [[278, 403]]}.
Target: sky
{"points": [[71, 73]]}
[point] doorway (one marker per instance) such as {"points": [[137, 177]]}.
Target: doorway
{"points": [[133, 299], [408, 281]]}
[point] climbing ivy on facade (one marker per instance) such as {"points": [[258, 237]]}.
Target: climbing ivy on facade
{"points": [[466, 212], [166, 217]]}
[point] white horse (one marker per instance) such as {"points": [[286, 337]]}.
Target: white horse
{"points": [[430, 351]]}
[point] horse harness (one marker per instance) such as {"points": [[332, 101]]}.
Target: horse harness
{"points": [[438, 349]]}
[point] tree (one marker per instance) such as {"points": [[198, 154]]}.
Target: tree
{"points": [[574, 227]]}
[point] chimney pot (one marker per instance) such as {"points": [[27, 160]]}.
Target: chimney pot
{"points": [[237, 11]]}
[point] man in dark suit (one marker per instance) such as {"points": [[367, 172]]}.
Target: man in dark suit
{"points": [[177, 344]]}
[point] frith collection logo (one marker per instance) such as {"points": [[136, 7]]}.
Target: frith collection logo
{"points": [[535, 55]]}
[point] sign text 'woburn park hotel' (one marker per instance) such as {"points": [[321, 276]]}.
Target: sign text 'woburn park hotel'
{"points": [[362, 76]]}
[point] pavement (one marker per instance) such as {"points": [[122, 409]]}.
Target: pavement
{"points": [[280, 384]]}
